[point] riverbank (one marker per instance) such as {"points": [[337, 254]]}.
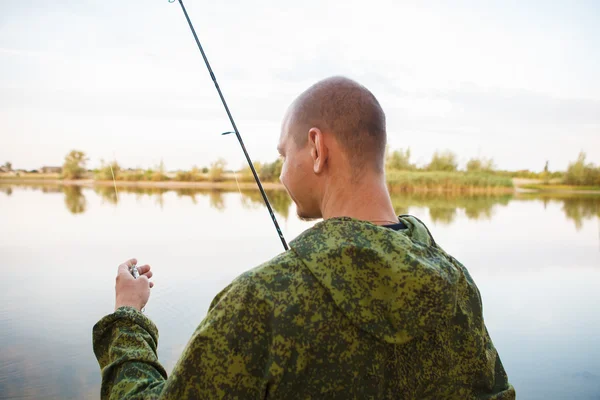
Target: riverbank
{"points": [[397, 186], [558, 188], [398, 182], [226, 185], [448, 182]]}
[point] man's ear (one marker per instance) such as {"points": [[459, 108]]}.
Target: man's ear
{"points": [[318, 149]]}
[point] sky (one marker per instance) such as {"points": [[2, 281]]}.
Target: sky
{"points": [[514, 81]]}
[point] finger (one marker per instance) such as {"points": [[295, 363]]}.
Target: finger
{"points": [[148, 274], [123, 272], [125, 266], [151, 285], [143, 269], [131, 262]]}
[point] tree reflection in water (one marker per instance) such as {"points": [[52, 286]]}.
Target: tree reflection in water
{"points": [[6, 189], [443, 208], [579, 209], [279, 199], [216, 200], [108, 194], [576, 206], [74, 199], [251, 199]]}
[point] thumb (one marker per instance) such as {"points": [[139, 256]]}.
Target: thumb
{"points": [[126, 265]]}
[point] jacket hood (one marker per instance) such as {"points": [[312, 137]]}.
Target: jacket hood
{"points": [[392, 284]]}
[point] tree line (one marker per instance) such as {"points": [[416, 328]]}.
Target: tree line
{"points": [[580, 172]]}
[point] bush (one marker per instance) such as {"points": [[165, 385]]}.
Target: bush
{"points": [[217, 171], [446, 181], [582, 174], [189, 176], [399, 160], [132, 176], [158, 174], [270, 172], [246, 173], [480, 165], [105, 173], [445, 161]]}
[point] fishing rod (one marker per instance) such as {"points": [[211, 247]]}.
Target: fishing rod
{"points": [[235, 129]]}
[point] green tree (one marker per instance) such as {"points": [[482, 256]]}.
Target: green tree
{"points": [[399, 160], [480, 165], [189, 176], [581, 173], [444, 161], [576, 171], [159, 174], [246, 173], [8, 166], [74, 166], [108, 172], [545, 175], [217, 170], [270, 172]]}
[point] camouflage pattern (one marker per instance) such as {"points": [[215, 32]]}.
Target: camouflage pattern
{"points": [[352, 311]]}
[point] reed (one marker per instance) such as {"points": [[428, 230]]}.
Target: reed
{"points": [[458, 182]]}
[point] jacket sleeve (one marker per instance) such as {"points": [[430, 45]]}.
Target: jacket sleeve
{"points": [[125, 345], [227, 356]]}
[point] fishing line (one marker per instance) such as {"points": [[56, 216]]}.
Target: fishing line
{"points": [[237, 183], [114, 182], [235, 129]]}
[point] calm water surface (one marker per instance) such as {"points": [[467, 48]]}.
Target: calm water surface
{"points": [[536, 261]]}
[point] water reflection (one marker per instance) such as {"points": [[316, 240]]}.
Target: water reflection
{"points": [[577, 207], [442, 208], [6, 190], [108, 194], [216, 200], [191, 193], [279, 199], [74, 199], [538, 280], [251, 199]]}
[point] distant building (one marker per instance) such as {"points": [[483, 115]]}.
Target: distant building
{"points": [[3, 169], [51, 170]]}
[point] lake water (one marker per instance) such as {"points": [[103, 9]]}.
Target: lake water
{"points": [[535, 259]]}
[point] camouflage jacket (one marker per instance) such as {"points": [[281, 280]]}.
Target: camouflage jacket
{"points": [[352, 311]]}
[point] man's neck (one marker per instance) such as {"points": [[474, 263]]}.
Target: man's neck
{"points": [[367, 200]]}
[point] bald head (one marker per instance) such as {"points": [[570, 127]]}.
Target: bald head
{"points": [[350, 112]]}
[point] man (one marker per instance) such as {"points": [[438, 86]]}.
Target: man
{"points": [[365, 305]]}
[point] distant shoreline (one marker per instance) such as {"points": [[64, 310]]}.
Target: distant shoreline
{"points": [[520, 186], [145, 184]]}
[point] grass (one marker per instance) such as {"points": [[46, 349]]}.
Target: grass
{"points": [[455, 182], [560, 187], [398, 181], [29, 176]]}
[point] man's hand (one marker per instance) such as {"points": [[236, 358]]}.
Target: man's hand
{"points": [[130, 291]]}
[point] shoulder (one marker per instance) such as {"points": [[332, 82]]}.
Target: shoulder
{"points": [[264, 281]]}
